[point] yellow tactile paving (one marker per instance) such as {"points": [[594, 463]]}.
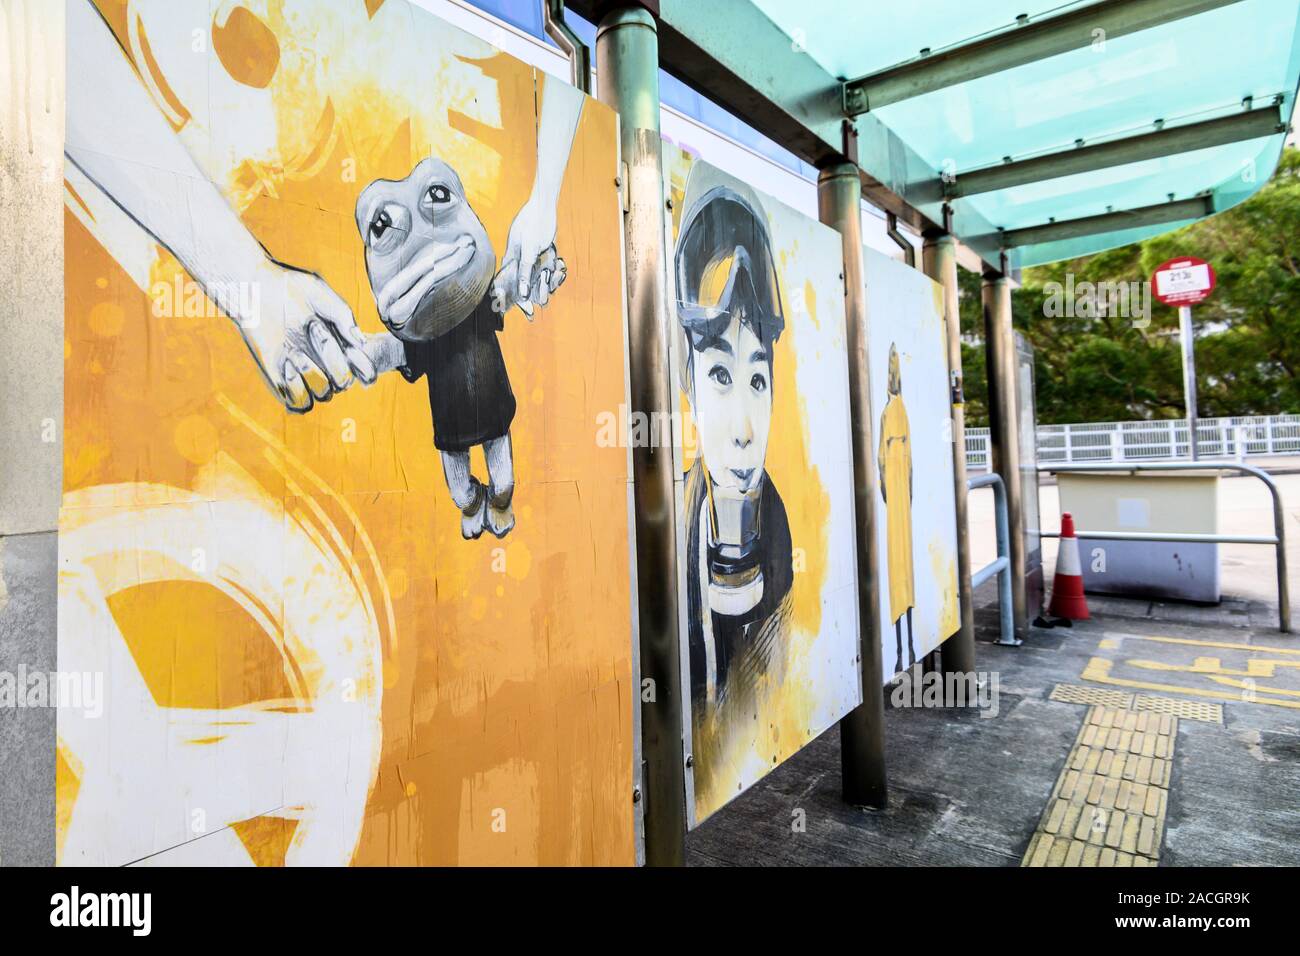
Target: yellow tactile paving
{"points": [[1078, 694], [1190, 709], [1108, 806]]}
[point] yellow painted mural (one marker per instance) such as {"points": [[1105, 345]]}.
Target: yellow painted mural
{"points": [[343, 302]]}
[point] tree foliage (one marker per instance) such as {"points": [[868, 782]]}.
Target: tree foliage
{"points": [[1099, 366]]}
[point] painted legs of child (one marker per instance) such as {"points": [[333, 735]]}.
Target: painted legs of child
{"points": [[483, 506]]}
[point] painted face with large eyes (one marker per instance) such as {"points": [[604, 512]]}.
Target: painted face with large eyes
{"points": [[427, 254], [732, 403]]}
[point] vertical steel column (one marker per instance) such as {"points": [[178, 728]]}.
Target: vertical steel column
{"points": [[939, 260], [1187, 337], [1004, 415], [862, 732], [627, 51]]}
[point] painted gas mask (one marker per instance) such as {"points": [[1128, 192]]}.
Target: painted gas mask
{"points": [[427, 254], [729, 306]]}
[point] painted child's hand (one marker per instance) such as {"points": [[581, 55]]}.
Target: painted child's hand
{"points": [[304, 337], [385, 352]]}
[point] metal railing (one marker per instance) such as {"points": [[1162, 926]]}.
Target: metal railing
{"points": [[1277, 539], [1238, 437], [1001, 565]]}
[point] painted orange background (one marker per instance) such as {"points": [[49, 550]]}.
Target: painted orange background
{"points": [[507, 664]]}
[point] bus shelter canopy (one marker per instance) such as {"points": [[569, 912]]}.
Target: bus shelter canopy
{"points": [[1033, 128]]}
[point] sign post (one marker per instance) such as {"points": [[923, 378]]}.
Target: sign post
{"points": [[1183, 283]]}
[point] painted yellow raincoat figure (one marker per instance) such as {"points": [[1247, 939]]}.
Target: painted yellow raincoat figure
{"points": [[895, 462]]}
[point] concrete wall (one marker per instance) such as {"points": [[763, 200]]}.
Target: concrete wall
{"points": [[31, 283], [31, 405]]}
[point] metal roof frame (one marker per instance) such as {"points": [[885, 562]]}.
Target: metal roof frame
{"points": [[1163, 140], [1026, 41], [732, 53]]}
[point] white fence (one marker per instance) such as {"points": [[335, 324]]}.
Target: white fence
{"points": [[1153, 440]]}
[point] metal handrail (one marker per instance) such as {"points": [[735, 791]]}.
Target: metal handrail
{"points": [[1001, 566], [1228, 438], [1278, 540]]}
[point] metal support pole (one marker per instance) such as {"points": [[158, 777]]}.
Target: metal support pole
{"points": [[1001, 566], [1187, 336], [862, 731], [1004, 414], [939, 259], [627, 48]]}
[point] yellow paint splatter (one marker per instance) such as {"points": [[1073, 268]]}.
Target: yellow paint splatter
{"points": [[196, 439], [398, 582], [107, 319], [810, 302], [943, 565], [519, 560]]}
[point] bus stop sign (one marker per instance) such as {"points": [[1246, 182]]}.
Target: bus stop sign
{"points": [[1184, 281]]}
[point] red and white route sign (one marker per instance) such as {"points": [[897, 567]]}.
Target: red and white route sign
{"points": [[1184, 281]]}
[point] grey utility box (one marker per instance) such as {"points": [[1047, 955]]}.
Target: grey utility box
{"points": [[1184, 503]]}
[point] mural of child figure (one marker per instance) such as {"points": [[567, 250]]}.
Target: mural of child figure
{"points": [[738, 550], [431, 269], [895, 463]]}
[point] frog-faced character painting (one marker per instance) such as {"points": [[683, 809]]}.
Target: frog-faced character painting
{"points": [[430, 265], [431, 268]]}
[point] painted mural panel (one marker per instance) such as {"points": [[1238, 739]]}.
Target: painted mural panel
{"points": [[767, 569], [916, 514], [344, 296]]}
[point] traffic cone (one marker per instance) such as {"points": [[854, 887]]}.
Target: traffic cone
{"points": [[1067, 586]]}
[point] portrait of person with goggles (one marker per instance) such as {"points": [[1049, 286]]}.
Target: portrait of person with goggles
{"points": [[738, 547]]}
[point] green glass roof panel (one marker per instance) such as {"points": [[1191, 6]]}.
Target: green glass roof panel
{"points": [[1147, 183], [1186, 70], [852, 39]]}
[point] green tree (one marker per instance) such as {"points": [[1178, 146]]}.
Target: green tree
{"points": [[1098, 367], [1248, 340]]}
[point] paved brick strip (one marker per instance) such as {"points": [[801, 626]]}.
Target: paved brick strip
{"points": [[1108, 805]]}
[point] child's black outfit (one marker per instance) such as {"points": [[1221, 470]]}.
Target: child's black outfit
{"points": [[469, 389]]}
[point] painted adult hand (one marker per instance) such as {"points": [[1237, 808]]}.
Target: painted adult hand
{"points": [[304, 337], [531, 270]]}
